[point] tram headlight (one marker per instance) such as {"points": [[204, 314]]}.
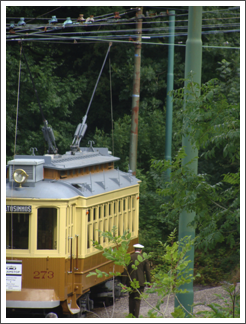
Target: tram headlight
{"points": [[20, 176]]}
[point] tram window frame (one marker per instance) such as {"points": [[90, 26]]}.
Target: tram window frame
{"points": [[20, 242], [49, 235]]}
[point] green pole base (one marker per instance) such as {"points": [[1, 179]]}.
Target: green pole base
{"points": [[186, 300]]}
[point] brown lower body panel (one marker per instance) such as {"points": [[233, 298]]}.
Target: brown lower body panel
{"points": [[49, 282]]}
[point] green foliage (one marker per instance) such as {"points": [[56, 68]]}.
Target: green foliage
{"points": [[151, 125], [56, 96], [168, 281], [118, 254], [212, 123], [230, 308], [178, 312], [165, 282], [215, 266], [177, 271]]}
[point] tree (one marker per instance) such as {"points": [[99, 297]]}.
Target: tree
{"points": [[55, 94], [214, 126]]}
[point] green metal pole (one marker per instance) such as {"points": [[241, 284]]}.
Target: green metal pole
{"points": [[169, 107], [136, 97], [193, 63]]}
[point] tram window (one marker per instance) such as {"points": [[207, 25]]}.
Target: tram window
{"points": [[47, 229], [19, 230]]}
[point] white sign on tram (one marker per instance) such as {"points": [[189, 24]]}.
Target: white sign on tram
{"points": [[13, 275]]}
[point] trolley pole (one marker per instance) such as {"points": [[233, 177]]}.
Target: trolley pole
{"points": [[136, 97], [193, 62], [169, 107]]}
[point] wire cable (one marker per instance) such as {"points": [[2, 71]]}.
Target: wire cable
{"points": [[110, 44], [83, 37], [111, 105], [15, 144], [110, 32], [98, 40], [18, 100]]}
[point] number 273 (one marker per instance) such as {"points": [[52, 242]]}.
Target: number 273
{"points": [[43, 274]]}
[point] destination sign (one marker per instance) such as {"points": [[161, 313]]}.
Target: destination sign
{"points": [[18, 209]]}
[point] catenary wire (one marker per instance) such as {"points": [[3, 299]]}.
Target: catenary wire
{"points": [[69, 41], [78, 37]]}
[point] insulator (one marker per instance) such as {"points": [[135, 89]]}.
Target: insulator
{"points": [[77, 132], [51, 134]]}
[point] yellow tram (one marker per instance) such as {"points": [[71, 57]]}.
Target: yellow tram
{"points": [[54, 206]]}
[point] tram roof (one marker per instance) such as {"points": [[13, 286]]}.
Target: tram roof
{"points": [[87, 156], [86, 186]]}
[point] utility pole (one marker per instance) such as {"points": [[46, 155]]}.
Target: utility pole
{"points": [[136, 96], [169, 106], [193, 64]]}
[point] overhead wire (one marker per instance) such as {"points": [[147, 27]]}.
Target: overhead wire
{"points": [[113, 24], [126, 30], [157, 28], [60, 36], [48, 28], [77, 35], [118, 23], [112, 14], [135, 9], [94, 40], [111, 104]]}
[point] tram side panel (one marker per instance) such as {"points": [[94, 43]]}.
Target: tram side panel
{"points": [[118, 208]]}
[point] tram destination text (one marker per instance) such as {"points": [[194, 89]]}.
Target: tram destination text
{"points": [[18, 209]]}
